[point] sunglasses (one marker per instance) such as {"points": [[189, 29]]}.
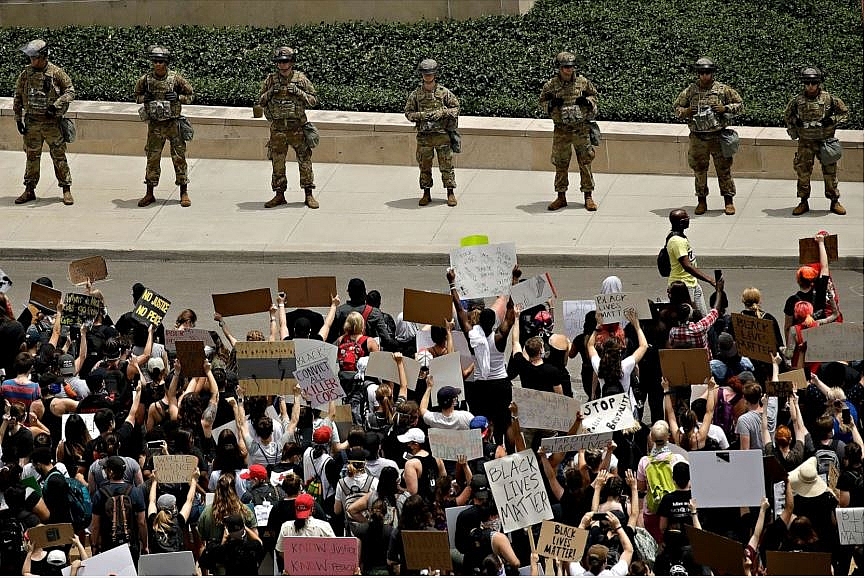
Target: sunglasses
{"points": [[811, 83], [567, 66]]}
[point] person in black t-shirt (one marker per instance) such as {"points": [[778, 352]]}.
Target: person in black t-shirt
{"points": [[676, 509], [529, 363], [813, 284]]}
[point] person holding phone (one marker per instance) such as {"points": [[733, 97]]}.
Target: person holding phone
{"points": [[843, 412]]}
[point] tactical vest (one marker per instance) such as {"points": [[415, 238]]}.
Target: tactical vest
{"points": [[811, 111], [705, 119], [39, 91], [569, 113], [159, 108], [428, 102], [282, 105]]}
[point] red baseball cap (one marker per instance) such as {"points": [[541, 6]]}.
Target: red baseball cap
{"points": [[303, 506], [255, 472]]}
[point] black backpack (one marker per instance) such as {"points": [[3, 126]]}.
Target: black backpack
{"points": [[120, 521], [169, 541], [664, 266], [12, 552]]}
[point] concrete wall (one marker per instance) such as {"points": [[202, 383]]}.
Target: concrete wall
{"points": [[388, 139], [266, 13]]}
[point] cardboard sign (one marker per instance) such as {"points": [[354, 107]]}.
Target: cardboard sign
{"points": [[427, 307], [518, 490], [834, 342], [242, 302], [780, 388], [231, 425], [452, 514], [809, 250], [755, 338], [850, 521], [533, 291], [151, 307], [483, 270], [191, 356], [168, 564], [44, 536], [172, 336], [727, 478], [315, 556], [310, 351], [685, 366], [544, 409], [426, 549], [448, 444], [307, 291], [721, 554], [343, 421], [798, 563], [446, 370], [93, 268], [612, 413], [45, 297], [383, 366], [574, 314], [319, 384], [797, 376], [114, 562], [174, 469], [832, 477], [266, 367], [565, 543], [79, 309], [612, 306], [88, 422], [576, 443]]}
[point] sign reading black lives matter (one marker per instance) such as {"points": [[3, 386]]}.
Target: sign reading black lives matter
{"points": [[518, 490], [151, 307], [79, 309]]}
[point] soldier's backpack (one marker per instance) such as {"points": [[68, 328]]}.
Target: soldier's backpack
{"points": [[353, 493], [659, 481], [119, 518], [80, 506], [664, 265]]}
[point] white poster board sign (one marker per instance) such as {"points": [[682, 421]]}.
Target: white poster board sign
{"points": [[834, 342], [114, 562], [232, 425], [88, 422], [446, 370], [383, 366], [319, 384], [518, 490], [727, 479], [452, 514], [172, 336], [576, 443], [168, 564], [533, 291], [483, 270], [545, 410], [612, 413], [612, 306], [310, 351], [448, 444], [574, 314], [850, 522]]}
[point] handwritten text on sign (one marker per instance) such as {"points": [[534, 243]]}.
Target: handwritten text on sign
{"points": [[151, 307], [319, 384], [576, 443], [850, 521], [314, 556], [755, 338], [174, 469], [574, 313], [562, 542], [545, 410], [533, 291], [612, 306], [518, 490], [448, 444], [611, 413], [483, 270]]}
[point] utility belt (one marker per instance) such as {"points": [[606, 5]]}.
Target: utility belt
{"points": [[706, 136], [292, 124]]}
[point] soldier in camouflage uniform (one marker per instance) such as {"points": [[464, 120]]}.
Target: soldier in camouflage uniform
{"points": [[812, 117], [434, 109], [163, 91], [709, 107], [42, 96], [285, 95], [571, 100]]}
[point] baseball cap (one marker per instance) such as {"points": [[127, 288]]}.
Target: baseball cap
{"points": [[255, 472], [32, 336], [322, 435], [414, 434], [67, 364], [480, 486], [447, 393], [480, 422], [726, 345], [56, 558], [155, 363], [303, 505], [166, 502]]}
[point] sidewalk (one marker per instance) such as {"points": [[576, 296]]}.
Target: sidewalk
{"points": [[371, 212]]}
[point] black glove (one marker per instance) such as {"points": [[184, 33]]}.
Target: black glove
{"points": [[148, 97], [171, 96], [799, 123], [582, 100], [554, 102], [827, 121], [22, 128], [51, 110]]}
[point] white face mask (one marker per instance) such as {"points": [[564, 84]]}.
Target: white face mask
{"points": [[494, 524]]}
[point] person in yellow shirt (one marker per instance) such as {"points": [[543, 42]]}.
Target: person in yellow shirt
{"points": [[683, 262]]}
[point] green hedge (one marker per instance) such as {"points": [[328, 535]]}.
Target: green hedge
{"points": [[637, 53]]}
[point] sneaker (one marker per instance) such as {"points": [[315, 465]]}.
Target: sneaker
{"points": [[701, 206], [25, 197], [837, 208], [67, 197], [801, 208]]}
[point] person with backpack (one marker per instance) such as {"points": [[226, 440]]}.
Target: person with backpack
{"points": [[119, 513], [357, 484], [55, 489], [374, 324], [827, 450], [655, 476], [165, 523], [260, 496], [422, 470], [681, 263]]}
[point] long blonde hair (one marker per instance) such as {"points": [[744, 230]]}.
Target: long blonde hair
{"points": [[162, 521], [751, 299]]}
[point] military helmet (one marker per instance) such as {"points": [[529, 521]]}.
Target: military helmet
{"points": [[565, 59], [705, 64], [812, 73], [36, 48], [159, 53], [428, 66], [283, 54]]}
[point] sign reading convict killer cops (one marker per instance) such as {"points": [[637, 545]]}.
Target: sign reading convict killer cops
{"points": [[612, 413], [518, 490], [319, 384], [544, 409], [755, 338], [151, 307], [483, 270], [562, 542]]}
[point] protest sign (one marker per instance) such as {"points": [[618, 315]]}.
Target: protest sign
{"points": [[423, 340], [114, 562], [533, 291], [167, 564], [319, 384], [342, 419], [426, 549], [612, 306], [809, 251], [265, 367], [427, 307], [574, 314], [483, 270], [316, 556], [242, 302], [174, 468], [832, 476], [88, 423], [518, 490], [576, 443], [780, 388], [798, 563], [172, 336], [850, 521], [44, 536], [685, 366], [755, 338], [562, 542], [93, 268], [151, 307], [447, 444], [79, 309], [612, 413], [44, 297], [446, 370], [727, 479], [834, 342], [452, 514], [545, 410], [191, 357], [231, 425], [721, 554], [307, 291], [310, 351], [797, 376], [383, 366]]}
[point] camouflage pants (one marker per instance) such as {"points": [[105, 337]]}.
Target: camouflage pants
{"points": [[277, 149], [45, 131], [699, 150], [563, 140], [157, 133], [430, 145], [803, 162]]}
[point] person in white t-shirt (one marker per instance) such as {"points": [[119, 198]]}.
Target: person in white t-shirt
{"points": [[611, 366], [448, 417]]}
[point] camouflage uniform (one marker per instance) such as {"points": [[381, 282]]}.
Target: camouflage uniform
{"points": [[434, 113], [35, 91], [163, 123]]}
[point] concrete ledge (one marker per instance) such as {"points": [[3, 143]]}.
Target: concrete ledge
{"points": [[388, 139]]}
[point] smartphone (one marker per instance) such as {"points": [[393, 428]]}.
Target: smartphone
{"points": [[845, 415], [154, 447], [281, 294], [600, 516], [718, 274]]}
